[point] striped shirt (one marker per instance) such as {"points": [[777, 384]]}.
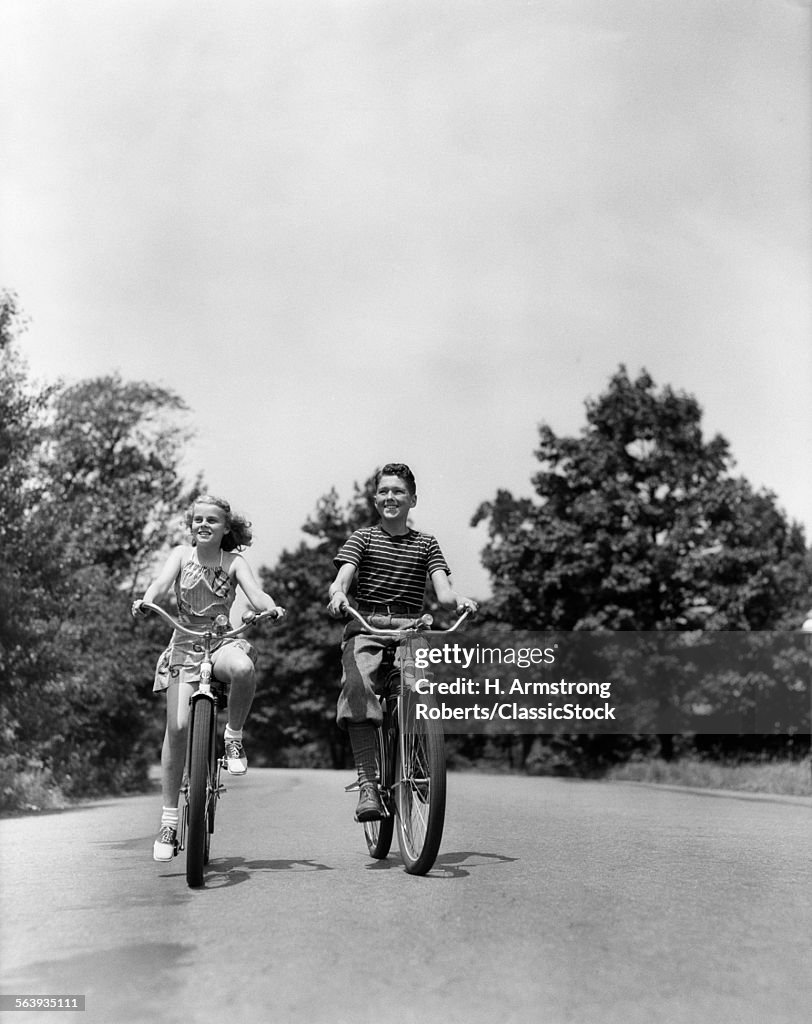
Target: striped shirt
{"points": [[390, 568]]}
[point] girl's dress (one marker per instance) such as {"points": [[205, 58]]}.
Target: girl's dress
{"points": [[203, 592]]}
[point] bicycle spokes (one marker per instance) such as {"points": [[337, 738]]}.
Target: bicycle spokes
{"points": [[415, 786]]}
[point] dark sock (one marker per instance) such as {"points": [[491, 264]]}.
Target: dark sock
{"points": [[364, 744]]}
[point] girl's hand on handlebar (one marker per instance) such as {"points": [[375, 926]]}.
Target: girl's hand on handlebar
{"points": [[138, 610], [275, 613]]}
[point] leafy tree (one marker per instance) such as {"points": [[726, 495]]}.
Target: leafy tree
{"points": [[639, 524], [23, 658], [113, 467], [22, 407], [19, 412], [90, 485]]}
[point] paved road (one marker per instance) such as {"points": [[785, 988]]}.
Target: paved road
{"points": [[553, 901]]}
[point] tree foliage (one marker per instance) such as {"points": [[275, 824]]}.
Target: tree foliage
{"points": [[113, 465], [640, 525], [90, 474]]}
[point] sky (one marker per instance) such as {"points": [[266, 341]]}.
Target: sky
{"points": [[348, 232]]}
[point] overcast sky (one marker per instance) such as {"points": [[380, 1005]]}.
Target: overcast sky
{"points": [[371, 230]]}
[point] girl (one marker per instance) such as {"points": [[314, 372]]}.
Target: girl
{"points": [[205, 576]]}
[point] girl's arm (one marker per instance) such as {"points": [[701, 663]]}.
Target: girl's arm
{"points": [[260, 601], [162, 584], [339, 587]]}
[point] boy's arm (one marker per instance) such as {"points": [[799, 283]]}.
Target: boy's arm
{"points": [[447, 596], [339, 587]]}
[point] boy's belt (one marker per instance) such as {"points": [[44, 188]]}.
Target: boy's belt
{"points": [[394, 608]]}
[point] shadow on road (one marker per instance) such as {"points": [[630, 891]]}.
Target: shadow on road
{"points": [[448, 865], [456, 865], [228, 871], [234, 870]]}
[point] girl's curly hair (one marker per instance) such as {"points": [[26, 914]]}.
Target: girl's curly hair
{"points": [[239, 534]]}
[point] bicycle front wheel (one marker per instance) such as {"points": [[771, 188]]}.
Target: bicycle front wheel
{"points": [[201, 724], [420, 786]]}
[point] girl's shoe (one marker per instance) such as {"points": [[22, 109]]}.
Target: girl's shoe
{"points": [[166, 845], [236, 761]]}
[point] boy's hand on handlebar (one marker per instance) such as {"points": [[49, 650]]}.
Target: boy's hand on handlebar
{"points": [[338, 605], [467, 605]]}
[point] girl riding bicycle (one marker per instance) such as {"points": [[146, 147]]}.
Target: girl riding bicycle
{"points": [[205, 576]]}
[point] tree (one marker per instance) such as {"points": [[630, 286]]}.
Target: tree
{"points": [[23, 658], [113, 467], [90, 488], [640, 525], [20, 408]]}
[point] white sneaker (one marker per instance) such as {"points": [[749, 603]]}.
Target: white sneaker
{"points": [[236, 761], [166, 845]]}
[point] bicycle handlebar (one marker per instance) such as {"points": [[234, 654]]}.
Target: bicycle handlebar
{"points": [[225, 634], [424, 622]]}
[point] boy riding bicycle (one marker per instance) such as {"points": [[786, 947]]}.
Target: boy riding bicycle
{"points": [[388, 563]]}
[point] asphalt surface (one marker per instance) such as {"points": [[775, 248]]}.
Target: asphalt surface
{"points": [[552, 901]]}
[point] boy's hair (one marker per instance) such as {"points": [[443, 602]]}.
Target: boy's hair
{"points": [[239, 534], [397, 469]]}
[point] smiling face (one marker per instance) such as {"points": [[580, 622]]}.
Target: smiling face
{"points": [[209, 525], [393, 502]]}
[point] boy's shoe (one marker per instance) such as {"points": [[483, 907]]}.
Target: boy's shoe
{"points": [[369, 804], [166, 845], [236, 761]]}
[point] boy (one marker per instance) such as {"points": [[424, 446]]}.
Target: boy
{"points": [[389, 563]]}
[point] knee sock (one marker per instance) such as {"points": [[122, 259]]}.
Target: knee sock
{"points": [[169, 816], [364, 750]]}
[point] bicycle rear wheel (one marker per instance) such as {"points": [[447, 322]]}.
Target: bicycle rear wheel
{"points": [[201, 724], [420, 787], [378, 834]]}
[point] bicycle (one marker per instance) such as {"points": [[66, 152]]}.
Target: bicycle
{"points": [[201, 787], [411, 768]]}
